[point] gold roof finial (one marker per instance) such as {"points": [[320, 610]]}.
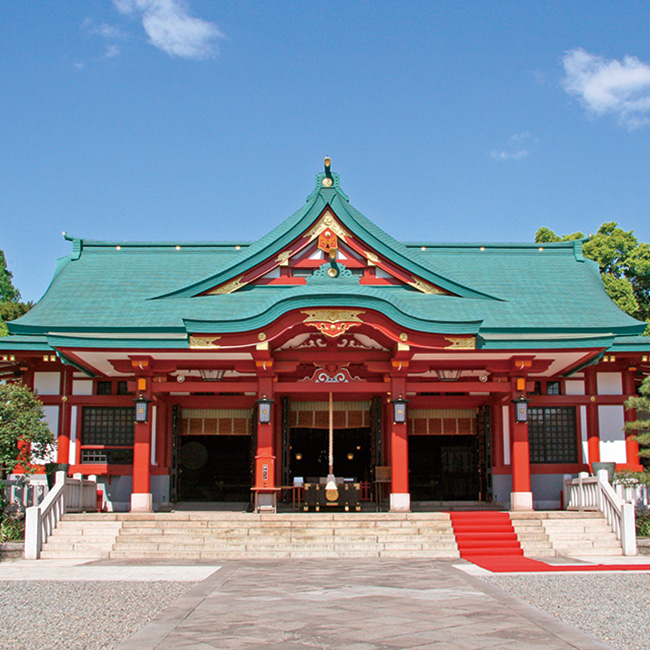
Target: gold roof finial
{"points": [[328, 181]]}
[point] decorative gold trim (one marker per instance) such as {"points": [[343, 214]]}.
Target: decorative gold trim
{"points": [[327, 182], [426, 287], [403, 336], [461, 343], [373, 259], [283, 258], [331, 495], [204, 342], [327, 221], [228, 287], [261, 336], [332, 316]]}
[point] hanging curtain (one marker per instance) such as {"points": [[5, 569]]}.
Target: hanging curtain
{"points": [[442, 422], [216, 422], [315, 415]]}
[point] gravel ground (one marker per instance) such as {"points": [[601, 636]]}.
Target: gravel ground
{"points": [[53, 615], [612, 607]]}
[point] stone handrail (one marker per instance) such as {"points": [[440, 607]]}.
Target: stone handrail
{"points": [[67, 495], [20, 493], [635, 493], [595, 493]]}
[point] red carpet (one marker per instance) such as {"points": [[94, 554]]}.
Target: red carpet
{"points": [[488, 540]]}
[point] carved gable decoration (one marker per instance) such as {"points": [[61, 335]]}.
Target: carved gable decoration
{"points": [[332, 375], [326, 248]]}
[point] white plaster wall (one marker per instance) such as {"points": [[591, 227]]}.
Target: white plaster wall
{"points": [[506, 435], [583, 434], [51, 418], [82, 387], [72, 456], [154, 418], [612, 437], [609, 383], [47, 383], [574, 387]]}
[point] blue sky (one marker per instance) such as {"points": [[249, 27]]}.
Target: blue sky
{"points": [[207, 120]]}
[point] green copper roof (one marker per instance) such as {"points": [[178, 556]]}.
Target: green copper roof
{"points": [[511, 295]]}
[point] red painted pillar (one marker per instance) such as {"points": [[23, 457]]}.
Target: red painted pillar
{"points": [[400, 499], [63, 439], [141, 498], [264, 488], [631, 446], [593, 434], [521, 497]]}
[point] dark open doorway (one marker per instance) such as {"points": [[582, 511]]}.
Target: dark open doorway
{"points": [[309, 453], [215, 468], [443, 468]]}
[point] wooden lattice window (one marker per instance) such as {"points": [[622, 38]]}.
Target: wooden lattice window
{"points": [[552, 435], [105, 425]]}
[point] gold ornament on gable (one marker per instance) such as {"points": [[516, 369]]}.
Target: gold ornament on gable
{"points": [[327, 221], [460, 343], [228, 287], [426, 287], [204, 342]]}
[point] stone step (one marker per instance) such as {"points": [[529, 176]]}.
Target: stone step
{"points": [[541, 552], [47, 554], [223, 535], [531, 537], [590, 551]]}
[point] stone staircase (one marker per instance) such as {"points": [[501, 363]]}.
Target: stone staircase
{"points": [[223, 535], [548, 534], [235, 535]]}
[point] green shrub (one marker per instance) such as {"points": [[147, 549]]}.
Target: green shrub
{"points": [[629, 478], [643, 525], [12, 529]]}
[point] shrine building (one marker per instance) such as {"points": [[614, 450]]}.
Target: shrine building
{"points": [[464, 372]]}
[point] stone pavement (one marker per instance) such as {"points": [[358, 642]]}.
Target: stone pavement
{"points": [[352, 605]]}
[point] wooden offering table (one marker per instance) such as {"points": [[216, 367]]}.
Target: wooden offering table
{"points": [[347, 495]]}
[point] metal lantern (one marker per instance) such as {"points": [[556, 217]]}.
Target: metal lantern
{"points": [[399, 410], [521, 409], [264, 410], [141, 409]]}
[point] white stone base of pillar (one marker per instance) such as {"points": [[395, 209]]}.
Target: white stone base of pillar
{"points": [[400, 502], [142, 502], [521, 501]]}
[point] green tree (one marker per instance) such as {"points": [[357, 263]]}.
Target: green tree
{"points": [[24, 436], [8, 293], [10, 305], [641, 425], [624, 265]]}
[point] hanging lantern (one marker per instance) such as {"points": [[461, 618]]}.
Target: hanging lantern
{"points": [[399, 410], [141, 409], [264, 410], [521, 409]]}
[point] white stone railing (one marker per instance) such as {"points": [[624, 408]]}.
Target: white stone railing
{"points": [[20, 493], [632, 492], [596, 494], [67, 495]]}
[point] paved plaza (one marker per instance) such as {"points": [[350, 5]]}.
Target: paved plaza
{"points": [[347, 604], [352, 605]]}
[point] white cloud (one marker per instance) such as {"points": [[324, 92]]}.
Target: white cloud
{"points": [[109, 32], [518, 147], [112, 51], [610, 87], [170, 27]]}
